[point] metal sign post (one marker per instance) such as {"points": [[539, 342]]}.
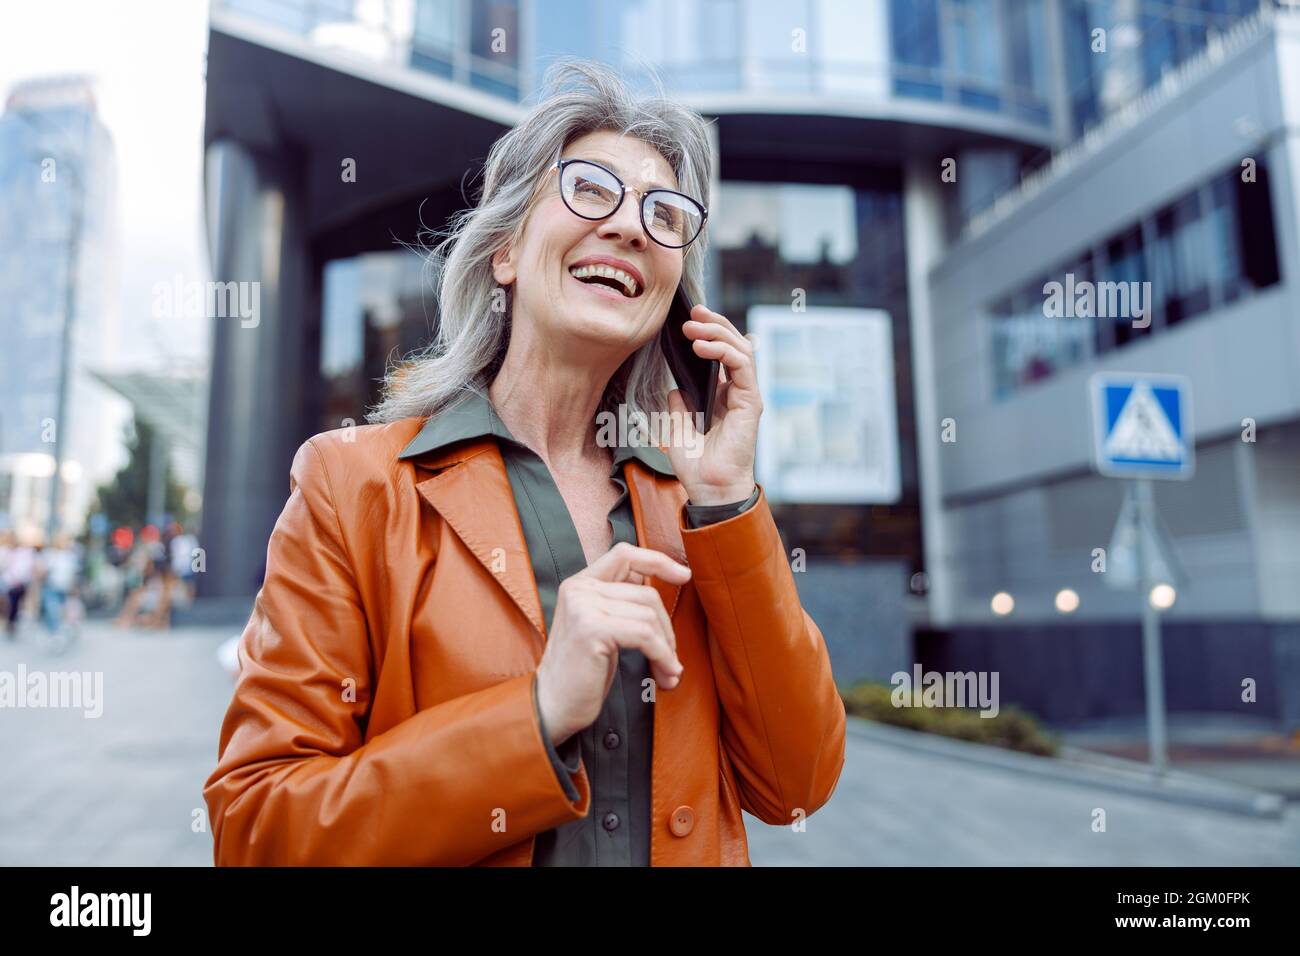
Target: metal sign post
{"points": [[1152, 649], [1142, 430]]}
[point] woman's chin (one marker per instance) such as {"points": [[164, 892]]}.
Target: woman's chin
{"points": [[613, 323]]}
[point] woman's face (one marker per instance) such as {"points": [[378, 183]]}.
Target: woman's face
{"points": [[555, 241]]}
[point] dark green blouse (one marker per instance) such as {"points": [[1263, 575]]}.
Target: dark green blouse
{"points": [[616, 748]]}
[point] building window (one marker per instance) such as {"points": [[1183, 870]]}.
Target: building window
{"points": [[433, 45], [818, 244], [375, 308], [1043, 328], [918, 58], [494, 47], [1123, 269], [1208, 248], [1180, 277]]}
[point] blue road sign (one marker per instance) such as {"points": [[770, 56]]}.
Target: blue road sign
{"points": [[1142, 425]]}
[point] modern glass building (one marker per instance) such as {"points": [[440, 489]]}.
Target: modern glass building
{"points": [[872, 162], [57, 236]]}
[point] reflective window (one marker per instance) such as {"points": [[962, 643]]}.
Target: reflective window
{"points": [[1222, 231], [1120, 290], [494, 46], [1180, 277], [433, 44], [1046, 326], [972, 29], [1210, 247], [375, 308], [1143, 39], [914, 30], [841, 246], [826, 245], [777, 41]]}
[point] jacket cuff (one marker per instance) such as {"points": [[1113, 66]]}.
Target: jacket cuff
{"points": [[697, 516], [567, 760], [747, 539]]}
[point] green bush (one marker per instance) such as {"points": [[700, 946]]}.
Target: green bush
{"points": [[1012, 728]]}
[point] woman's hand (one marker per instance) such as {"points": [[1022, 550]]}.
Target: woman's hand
{"points": [[604, 607], [718, 467]]}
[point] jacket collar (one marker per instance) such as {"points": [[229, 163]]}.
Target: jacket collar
{"points": [[458, 452], [475, 417]]}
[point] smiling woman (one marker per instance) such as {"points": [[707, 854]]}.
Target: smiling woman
{"points": [[489, 636]]}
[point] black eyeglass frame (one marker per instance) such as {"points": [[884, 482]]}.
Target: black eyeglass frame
{"points": [[624, 188]]}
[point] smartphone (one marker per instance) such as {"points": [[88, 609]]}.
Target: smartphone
{"points": [[696, 377]]}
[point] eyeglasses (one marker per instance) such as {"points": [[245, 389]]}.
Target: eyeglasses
{"points": [[591, 191]]}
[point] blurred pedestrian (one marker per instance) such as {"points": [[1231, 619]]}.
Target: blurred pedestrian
{"points": [[149, 602], [181, 550], [59, 566], [19, 566]]}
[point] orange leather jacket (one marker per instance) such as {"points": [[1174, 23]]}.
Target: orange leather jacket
{"points": [[384, 712]]}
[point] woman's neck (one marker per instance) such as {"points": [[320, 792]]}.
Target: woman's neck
{"points": [[548, 404]]}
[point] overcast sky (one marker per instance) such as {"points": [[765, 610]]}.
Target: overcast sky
{"points": [[147, 58]]}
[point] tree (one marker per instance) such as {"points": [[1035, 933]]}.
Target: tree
{"points": [[125, 500]]}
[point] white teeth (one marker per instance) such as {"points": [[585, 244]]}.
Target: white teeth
{"points": [[609, 272]]}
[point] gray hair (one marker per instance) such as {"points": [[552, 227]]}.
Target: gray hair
{"points": [[577, 97]]}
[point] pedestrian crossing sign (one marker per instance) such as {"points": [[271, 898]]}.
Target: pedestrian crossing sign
{"points": [[1142, 425]]}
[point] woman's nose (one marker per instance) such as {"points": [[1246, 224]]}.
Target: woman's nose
{"points": [[625, 224]]}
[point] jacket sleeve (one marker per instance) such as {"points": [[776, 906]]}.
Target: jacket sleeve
{"points": [[783, 719], [296, 781]]}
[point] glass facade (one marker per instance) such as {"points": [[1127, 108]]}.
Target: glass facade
{"points": [[987, 55], [1139, 41], [375, 308], [1209, 247], [842, 245], [839, 245], [58, 182], [983, 54]]}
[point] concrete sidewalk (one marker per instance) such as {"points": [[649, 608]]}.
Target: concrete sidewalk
{"points": [[122, 789]]}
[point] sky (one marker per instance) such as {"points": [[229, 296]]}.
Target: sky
{"points": [[147, 59]]}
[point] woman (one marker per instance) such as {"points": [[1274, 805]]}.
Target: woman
{"points": [[487, 636]]}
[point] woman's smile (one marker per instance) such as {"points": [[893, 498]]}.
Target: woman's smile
{"points": [[607, 272]]}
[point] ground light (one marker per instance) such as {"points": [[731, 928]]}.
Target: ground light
{"points": [[1067, 600], [1002, 604]]}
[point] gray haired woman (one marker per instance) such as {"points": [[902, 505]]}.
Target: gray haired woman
{"points": [[555, 649]]}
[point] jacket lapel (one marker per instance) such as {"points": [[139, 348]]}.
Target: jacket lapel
{"points": [[470, 489], [656, 510]]}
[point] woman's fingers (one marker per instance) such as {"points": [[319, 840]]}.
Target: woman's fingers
{"points": [[624, 561], [638, 600], [717, 325], [648, 638], [740, 365]]}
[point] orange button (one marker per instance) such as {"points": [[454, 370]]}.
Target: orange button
{"points": [[682, 821]]}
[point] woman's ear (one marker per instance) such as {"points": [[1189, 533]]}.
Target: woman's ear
{"points": [[503, 265]]}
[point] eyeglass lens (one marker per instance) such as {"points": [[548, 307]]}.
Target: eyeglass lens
{"points": [[593, 193]]}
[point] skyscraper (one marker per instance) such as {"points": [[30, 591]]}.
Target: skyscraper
{"points": [[57, 247]]}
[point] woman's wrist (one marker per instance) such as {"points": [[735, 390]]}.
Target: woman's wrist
{"points": [[733, 495]]}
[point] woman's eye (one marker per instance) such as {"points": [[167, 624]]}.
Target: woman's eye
{"points": [[665, 215], [595, 190]]}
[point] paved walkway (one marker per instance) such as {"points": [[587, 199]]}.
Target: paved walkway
{"points": [[122, 789]]}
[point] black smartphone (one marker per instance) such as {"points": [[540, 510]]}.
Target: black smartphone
{"points": [[696, 377]]}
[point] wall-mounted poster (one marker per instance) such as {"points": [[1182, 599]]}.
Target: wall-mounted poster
{"points": [[829, 432]]}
